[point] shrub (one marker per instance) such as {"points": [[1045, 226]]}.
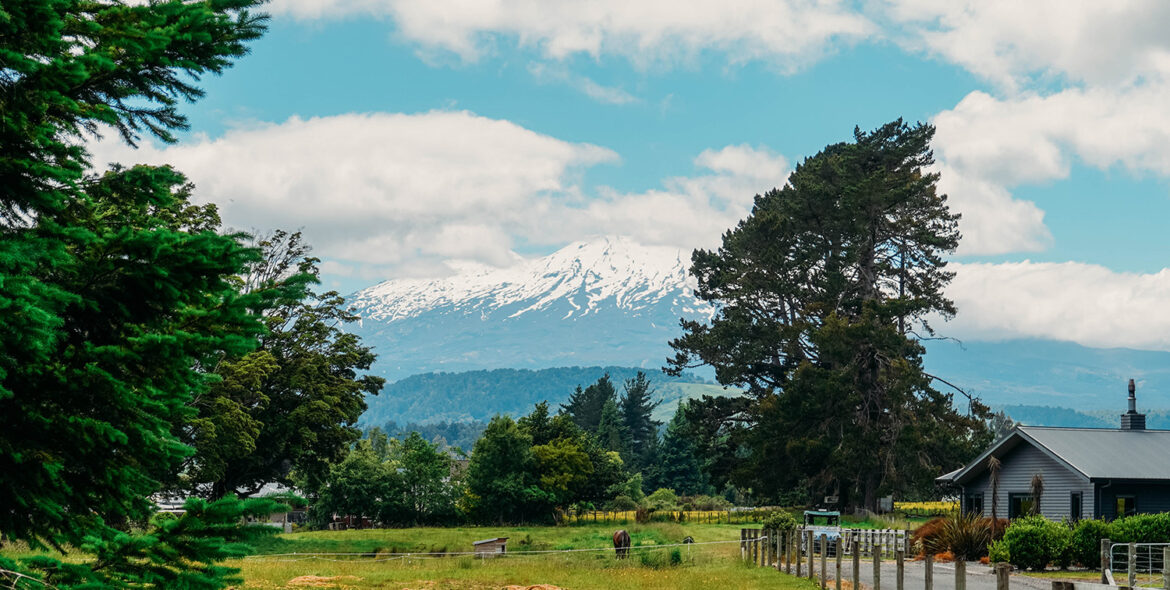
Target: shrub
{"points": [[924, 535], [1034, 542], [997, 552], [1141, 528], [662, 499], [964, 535], [675, 556], [622, 503], [779, 520], [702, 502], [1085, 542]]}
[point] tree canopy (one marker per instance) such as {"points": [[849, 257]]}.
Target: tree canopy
{"points": [[822, 293]]}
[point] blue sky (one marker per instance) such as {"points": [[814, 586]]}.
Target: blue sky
{"points": [[412, 138]]}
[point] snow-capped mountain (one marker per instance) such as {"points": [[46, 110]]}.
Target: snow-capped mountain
{"points": [[608, 301]]}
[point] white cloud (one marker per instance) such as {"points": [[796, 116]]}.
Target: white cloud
{"points": [[689, 211], [388, 190], [788, 32], [1012, 43], [391, 195], [1083, 303], [988, 145]]}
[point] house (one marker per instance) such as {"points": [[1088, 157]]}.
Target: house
{"points": [[1085, 472]]}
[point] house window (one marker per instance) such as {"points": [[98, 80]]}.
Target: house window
{"points": [[1126, 506], [975, 504], [1074, 509], [1019, 505]]}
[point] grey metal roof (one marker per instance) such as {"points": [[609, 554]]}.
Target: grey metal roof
{"points": [[1108, 453], [1095, 453]]}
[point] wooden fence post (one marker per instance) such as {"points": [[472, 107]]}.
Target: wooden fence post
{"points": [[809, 540], [839, 548], [1002, 580], [799, 538], [824, 556], [789, 549], [1106, 549], [769, 546], [742, 544], [1131, 564], [960, 574], [856, 579], [877, 566], [1166, 568], [900, 557], [928, 572]]}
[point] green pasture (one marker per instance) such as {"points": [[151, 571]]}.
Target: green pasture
{"points": [[383, 564]]}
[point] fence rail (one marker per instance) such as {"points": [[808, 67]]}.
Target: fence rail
{"points": [[799, 552], [695, 516]]}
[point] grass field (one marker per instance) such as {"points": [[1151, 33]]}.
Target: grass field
{"points": [[282, 559]]}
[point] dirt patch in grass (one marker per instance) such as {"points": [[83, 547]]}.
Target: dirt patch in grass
{"points": [[321, 581]]}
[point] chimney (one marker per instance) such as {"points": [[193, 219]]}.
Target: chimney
{"points": [[1132, 420]]}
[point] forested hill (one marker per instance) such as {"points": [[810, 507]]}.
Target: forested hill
{"points": [[479, 395]]}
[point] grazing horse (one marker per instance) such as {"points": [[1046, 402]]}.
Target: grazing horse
{"points": [[621, 544]]}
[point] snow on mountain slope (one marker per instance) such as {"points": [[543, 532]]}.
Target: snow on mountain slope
{"points": [[610, 301], [585, 275]]}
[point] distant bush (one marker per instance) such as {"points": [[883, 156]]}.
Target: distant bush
{"points": [[1034, 542], [662, 499], [779, 520], [1085, 542], [622, 503], [702, 502]]}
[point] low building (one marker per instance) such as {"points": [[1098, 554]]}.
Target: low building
{"points": [[491, 547], [1083, 472]]}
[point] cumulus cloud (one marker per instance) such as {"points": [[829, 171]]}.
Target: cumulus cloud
{"points": [[388, 190], [391, 195], [1011, 43], [788, 32], [1083, 303]]}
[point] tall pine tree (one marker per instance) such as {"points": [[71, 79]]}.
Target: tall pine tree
{"points": [[585, 406], [641, 427], [821, 293]]}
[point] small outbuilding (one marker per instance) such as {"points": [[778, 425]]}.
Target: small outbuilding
{"points": [[491, 547], [1082, 472]]}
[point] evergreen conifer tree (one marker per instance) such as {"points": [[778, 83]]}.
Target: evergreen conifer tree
{"points": [[641, 428], [611, 431], [678, 466], [114, 288], [585, 406]]}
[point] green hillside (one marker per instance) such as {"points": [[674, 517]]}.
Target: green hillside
{"points": [[478, 395]]}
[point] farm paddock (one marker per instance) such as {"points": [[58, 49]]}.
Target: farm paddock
{"points": [[557, 556]]}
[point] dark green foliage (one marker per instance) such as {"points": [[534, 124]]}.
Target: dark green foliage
{"points": [[611, 430], [641, 429], [503, 484], [291, 405], [1034, 542], [780, 520], [678, 467], [1141, 528], [390, 483], [585, 406], [819, 295], [1085, 542], [173, 552]]}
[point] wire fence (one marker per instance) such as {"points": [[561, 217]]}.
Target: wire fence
{"points": [[752, 516]]}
